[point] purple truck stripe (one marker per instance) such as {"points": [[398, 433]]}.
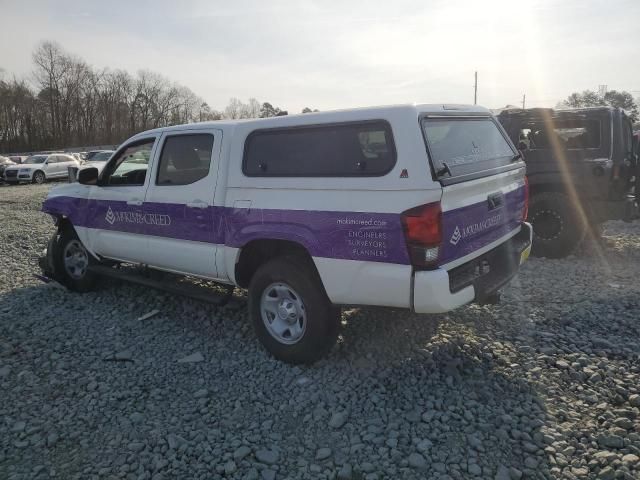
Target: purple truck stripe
{"points": [[376, 237]]}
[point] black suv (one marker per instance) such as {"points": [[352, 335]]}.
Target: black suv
{"points": [[582, 168]]}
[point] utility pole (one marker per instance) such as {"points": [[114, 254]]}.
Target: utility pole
{"points": [[475, 90], [524, 98]]}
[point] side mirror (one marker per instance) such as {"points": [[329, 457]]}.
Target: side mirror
{"points": [[88, 176]]}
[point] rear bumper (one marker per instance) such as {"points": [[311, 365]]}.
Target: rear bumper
{"points": [[439, 291]]}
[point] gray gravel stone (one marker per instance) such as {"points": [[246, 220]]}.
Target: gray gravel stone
{"points": [[193, 358], [417, 461], [230, 467], [136, 446], [268, 474], [19, 426], [474, 469], [323, 453], [203, 392], [241, 452], [338, 419], [269, 457], [611, 441], [345, 472]]}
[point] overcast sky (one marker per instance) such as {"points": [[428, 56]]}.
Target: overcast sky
{"points": [[333, 54]]}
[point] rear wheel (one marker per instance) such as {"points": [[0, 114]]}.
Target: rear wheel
{"points": [[557, 226], [290, 311], [39, 177], [72, 262]]}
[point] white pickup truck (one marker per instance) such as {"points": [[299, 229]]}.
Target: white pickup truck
{"points": [[412, 206]]}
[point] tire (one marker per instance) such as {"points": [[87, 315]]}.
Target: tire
{"points": [[558, 228], [301, 324], [70, 257], [39, 178]]}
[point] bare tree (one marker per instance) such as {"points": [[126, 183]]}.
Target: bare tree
{"points": [[69, 103]]}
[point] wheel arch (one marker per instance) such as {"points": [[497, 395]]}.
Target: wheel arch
{"points": [[257, 252]]}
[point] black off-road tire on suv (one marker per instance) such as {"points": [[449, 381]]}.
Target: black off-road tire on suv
{"points": [[292, 286], [69, 272], [558, 227]]}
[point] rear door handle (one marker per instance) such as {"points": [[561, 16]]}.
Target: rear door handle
{"points": [[200, 205], [135, 203]]}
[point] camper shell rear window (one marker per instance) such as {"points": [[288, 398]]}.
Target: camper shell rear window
{"points": [[353, 149], [464, 146]]}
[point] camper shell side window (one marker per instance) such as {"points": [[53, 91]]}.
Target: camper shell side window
{"points": [[353, 149]]}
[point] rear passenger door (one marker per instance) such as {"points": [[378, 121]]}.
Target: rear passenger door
{"points": [[180, 201]]}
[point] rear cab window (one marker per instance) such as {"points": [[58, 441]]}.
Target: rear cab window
{"points": [[354, 149], [460, 147]]}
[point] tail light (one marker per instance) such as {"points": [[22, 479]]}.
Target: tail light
{"points": [[525, 208], [423, 234]]}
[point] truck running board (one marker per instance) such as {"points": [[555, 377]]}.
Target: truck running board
{"points": [[169, 283]]}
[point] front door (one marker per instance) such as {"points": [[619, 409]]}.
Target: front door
{"points": [[52, 167], [115, 213], [179, 202]]}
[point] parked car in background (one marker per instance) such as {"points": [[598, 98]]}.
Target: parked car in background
{"points": [[89, 155], [4, 163], [411, 206], [582, 168], [18, 159], [99, 160], [40, 168]]}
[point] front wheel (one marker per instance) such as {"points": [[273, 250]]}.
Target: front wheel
{"points": [[558, 226], [72, 262], [39, 178], [291, 313]]}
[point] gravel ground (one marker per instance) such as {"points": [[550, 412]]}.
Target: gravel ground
{"points": [[545, 385]]}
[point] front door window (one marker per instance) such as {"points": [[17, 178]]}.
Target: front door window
{"points": [[130, 167]]}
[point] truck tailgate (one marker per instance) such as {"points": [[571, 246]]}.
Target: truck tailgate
{"points": [[479, 213]]}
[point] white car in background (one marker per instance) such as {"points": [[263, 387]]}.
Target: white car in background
{"points": [[99, 160], [40, 168]]}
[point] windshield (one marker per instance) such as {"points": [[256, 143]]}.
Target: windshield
{"points": [[36, 159], [101, 157]]}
